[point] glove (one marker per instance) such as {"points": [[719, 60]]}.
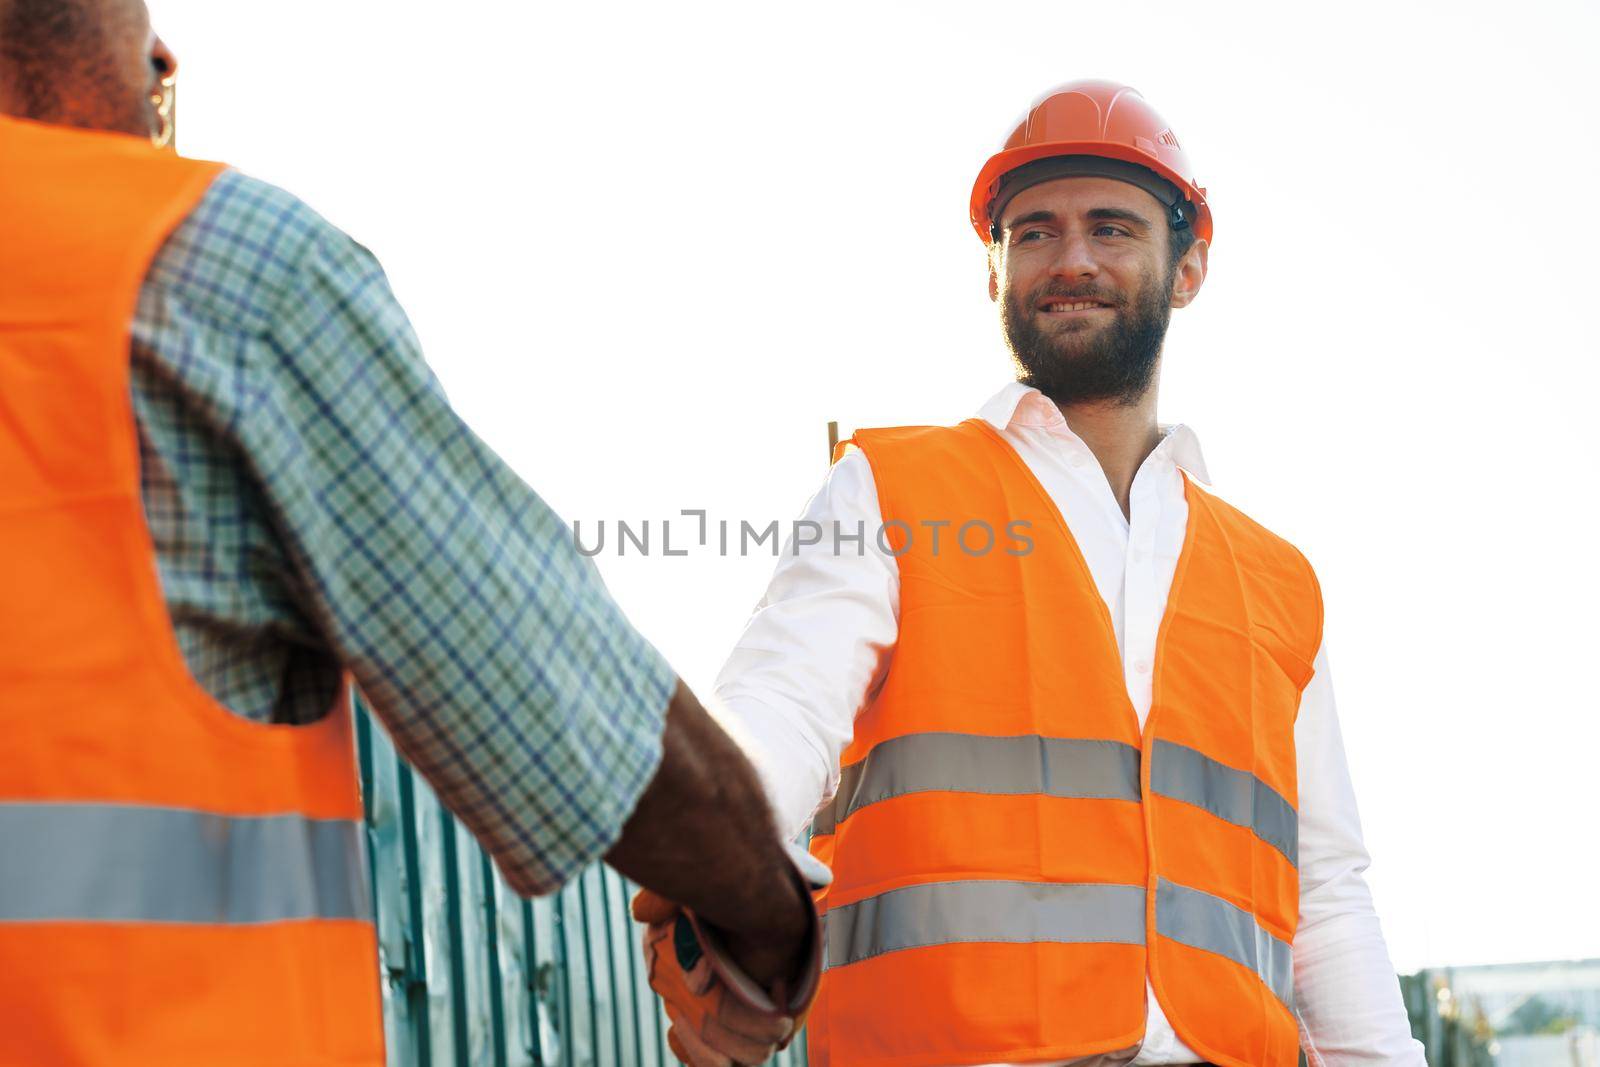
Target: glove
{"points": [[719, 1014]]}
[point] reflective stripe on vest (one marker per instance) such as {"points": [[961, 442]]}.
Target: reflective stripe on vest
{"points": [[1239, 797], [175, 866], [1060, 767], [942, 913], [1200, 920], [999, 766]]}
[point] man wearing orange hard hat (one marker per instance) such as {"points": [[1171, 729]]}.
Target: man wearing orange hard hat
{"points": [[1059, 717]]}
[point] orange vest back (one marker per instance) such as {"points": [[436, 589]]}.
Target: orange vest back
{"points": [[1012, 855], [180, 887]]}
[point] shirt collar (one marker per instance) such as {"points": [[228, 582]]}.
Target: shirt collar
{"points": [[1019, 405]]}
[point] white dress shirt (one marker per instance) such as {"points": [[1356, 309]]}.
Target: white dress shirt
{"points": [[821, 640]]}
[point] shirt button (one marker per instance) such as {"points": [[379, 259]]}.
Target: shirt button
{"points": [[1142, 666]]}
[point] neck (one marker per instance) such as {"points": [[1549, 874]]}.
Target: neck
{"points": [[1120, 436], [64, 101], [11, 103]]}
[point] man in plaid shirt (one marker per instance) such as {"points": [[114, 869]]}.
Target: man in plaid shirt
{"points": [[317, 507]]}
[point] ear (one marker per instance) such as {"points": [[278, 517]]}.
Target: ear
{"points": [[162, 61], [994, 277], [1190, 275]]}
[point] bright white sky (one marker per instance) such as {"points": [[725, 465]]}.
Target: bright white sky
{"points": [[651, 248]]}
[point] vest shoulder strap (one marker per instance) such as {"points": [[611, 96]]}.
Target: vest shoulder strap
{"points": [[1285, 596]]}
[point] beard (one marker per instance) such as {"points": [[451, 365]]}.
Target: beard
{"points": [[1078, 362]]}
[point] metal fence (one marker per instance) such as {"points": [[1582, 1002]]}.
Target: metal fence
{"points": [[474, 976]]}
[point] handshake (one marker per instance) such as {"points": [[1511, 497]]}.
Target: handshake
{"points": [[724, 1013]]}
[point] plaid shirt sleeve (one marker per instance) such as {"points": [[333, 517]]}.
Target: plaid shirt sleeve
{"points": [[484, 640]]}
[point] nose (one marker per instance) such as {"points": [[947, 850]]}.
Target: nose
{"points": [[1074, 258], [162, 60]]}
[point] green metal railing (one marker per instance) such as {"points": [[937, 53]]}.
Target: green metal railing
{"points": [[474, 976]]}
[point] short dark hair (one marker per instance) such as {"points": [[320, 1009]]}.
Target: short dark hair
{"points": [[1179, 240], [46, 45]]}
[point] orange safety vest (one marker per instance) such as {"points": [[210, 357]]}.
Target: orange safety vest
{"points": [[179, 887], [1011, 855]]}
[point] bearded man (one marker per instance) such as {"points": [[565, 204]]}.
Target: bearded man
{"points": [[1082, 786]]}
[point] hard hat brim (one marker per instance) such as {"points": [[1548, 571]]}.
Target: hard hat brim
{"points": [[984, 189]]}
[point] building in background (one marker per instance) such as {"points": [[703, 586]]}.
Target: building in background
{"points": [[1508, 1014]]}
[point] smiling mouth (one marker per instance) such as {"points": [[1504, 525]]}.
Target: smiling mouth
{"points": [[1062, 307]]}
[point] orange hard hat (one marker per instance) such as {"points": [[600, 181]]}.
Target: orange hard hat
{"points": [[1095, 128]]}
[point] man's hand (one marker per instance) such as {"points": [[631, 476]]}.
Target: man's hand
{"points": [[702, 838], [711, 1027], [720, 1013]]}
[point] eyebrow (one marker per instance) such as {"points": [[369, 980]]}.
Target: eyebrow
{"points": [[1118, 214], [1030, 217], [1099, 214]]}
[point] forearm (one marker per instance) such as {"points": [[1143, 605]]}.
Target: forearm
{"points": [[816, 648], [789, 691], [781, 743], [1346, 992], [1349, 998], [703, 836]]}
